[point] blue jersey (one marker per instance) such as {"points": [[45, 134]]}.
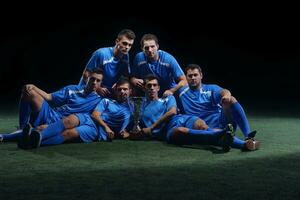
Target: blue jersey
{"points": [[151, 111], [113, 68], [166, 69], [116, 115], [72, 99], [203, 103]]}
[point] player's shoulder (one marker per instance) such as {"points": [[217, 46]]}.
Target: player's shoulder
{"points": [[104, 51], [210, 86]]}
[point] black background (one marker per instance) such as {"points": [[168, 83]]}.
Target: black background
{"points": [[253, 53]]}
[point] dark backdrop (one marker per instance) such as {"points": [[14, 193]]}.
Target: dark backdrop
{"points": [[256, 57]]}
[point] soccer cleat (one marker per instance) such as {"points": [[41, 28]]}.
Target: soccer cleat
{"points": [[251, 145], [251, 135], [35, 139], [24, 140], [227, 138]]}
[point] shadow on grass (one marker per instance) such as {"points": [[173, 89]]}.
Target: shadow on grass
{"points": [[118, 172]]}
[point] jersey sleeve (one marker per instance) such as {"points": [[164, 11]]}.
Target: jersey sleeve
{"points": [[102, 105], [216, 93], [171, 102], [60, 97], [95, 61], [176, 69]]}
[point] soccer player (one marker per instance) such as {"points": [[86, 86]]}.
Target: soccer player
{"points": [[157, 62], [158, 116], [35, 103], [113, 117], [114, 62], [155, 111], [110, 118], [216, 106]]}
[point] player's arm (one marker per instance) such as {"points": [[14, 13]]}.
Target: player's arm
{"points": [[30, 87], [96, 116], [225, 96], [85, 76], [181, 82], [163, 119]]}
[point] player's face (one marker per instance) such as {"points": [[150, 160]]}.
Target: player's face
{"points": [[152, 88], [194, 78], [124, 45], [94, 82], [150, 49], [123, 92]]}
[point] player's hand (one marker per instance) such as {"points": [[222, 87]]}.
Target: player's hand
{"points": [[137, 82], [124, 134], [146, 131], [103, 92], [28, 88], [225, 100], [167, 93], [109, 133]]}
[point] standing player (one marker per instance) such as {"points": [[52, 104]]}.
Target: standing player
{"points": [[215, 106], [114, 62], [157, 62]]}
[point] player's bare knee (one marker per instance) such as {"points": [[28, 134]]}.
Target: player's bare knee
{"points": [[70, 121], [200, 125], [41, 127], [233, 100], [70, 134]]}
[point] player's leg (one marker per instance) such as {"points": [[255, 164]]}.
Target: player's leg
{"points": [[30, 102], [235, 112]]}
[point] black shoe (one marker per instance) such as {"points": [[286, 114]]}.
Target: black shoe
{"points": [[35, 139], [251, 135], [227, 138], [24, 140]]}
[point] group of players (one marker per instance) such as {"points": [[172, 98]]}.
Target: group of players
{"points": [[176, 107]]}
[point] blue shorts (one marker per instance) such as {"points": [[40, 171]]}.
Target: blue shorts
{"points": [[46, 115], [180, 121], [86, 129]]}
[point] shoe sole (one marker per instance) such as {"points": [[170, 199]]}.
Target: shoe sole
{"points": [[252, 145]]}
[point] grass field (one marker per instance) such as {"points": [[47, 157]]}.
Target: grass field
{"points": [[154, 170]]}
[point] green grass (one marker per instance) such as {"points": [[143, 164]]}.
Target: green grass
{"points": [[155, 170]]}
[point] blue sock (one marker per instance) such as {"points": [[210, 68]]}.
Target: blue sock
{"points": [[24, 113], [240, 118], [53, 129], [7, 137], [238, 143], [58, 139], [204, 136]]}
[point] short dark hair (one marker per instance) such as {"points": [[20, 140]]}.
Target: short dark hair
{"points": [[127, 33], [96, 71], [150, 77], [192, 67], [148, 36], [123, 80]]}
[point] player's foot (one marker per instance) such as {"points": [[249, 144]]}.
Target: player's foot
{"points": [[227, 138], [1, 138], [251, 145], [35, 139], [24, 140]]}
